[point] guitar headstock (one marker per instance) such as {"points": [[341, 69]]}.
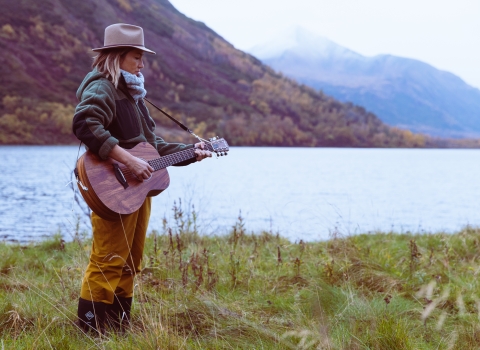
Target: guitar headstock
{"points": [[219, 146]]}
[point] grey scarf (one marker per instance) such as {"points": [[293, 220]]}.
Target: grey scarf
{"points": [[135, 84]]}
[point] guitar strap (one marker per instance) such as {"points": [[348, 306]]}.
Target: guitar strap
{"points": [[77, 180], [180, 124], [75, 171]]}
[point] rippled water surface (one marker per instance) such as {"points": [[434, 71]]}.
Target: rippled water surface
{"points": [[304, 193]]}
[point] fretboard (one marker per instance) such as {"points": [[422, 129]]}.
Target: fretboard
{"points": [[174, 158]]}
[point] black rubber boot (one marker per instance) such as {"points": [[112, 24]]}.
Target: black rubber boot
{"points": [[118, 313], [91, 316]]}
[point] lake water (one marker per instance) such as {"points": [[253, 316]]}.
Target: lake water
{"points": [[302, 193]]}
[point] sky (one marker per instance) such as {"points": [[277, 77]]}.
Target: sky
{"points": [[445, 34]]}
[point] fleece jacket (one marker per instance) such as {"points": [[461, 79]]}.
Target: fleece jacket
{"points": [[106, 116]]}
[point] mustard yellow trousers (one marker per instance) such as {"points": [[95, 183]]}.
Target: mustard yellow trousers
{"points": [[116, 256]]}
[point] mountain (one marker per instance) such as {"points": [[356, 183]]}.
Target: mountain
{"points": [[402, 92], [196, 75]]}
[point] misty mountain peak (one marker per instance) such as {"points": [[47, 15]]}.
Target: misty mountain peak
{"points": [[299, 41], [403, 92]]}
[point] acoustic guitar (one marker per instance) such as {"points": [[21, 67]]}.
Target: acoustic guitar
{"points": [[110, 189]]}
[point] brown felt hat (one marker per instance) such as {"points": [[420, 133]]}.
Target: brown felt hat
{"points": [[123, 35]]}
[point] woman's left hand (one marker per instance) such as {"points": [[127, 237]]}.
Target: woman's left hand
{"points": [[201, 152]]}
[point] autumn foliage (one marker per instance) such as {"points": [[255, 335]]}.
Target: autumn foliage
{"points": [[197, 76]]}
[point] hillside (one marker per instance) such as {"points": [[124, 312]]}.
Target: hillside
{"points": [[402, 92], [196, 75]]}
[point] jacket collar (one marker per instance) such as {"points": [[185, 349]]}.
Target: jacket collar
{"points": [[122, 86]]}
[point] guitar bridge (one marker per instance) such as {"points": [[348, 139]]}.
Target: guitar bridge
{"points": [[119, 175]]}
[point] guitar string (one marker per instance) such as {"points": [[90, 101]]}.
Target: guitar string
{"points": [[161, 161], [166, 160]]}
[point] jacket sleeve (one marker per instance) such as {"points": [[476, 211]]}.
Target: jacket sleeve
{"points": [[93, 114]]}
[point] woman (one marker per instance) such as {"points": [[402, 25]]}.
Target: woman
{"points": [[110, 117]]}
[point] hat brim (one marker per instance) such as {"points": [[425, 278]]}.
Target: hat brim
{"points": [[132, 46]]}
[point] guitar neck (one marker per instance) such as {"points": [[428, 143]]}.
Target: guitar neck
{"points": [[219, 146], [172, 159]]}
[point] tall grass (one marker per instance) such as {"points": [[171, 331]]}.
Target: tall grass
{"points": [[240, 290]]}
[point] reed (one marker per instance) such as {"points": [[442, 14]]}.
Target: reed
{"points": [[239, 290]]}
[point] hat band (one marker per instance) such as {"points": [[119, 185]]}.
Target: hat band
{"points": [[104, 46]]}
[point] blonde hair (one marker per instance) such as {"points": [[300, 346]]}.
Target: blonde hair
{"points": [[108, 62]]}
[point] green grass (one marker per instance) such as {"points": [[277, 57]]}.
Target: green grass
{"points": [[256, 291]]}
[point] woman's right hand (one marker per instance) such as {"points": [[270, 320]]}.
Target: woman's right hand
{"points": [[140, 168]]}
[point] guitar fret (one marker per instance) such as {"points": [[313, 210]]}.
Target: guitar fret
{"points": [[171, 159]]}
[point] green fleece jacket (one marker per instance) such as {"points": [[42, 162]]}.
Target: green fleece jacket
{"points": [[107, 116]]}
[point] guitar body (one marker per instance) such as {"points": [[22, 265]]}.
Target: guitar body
{"points": [[105, 193]]}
